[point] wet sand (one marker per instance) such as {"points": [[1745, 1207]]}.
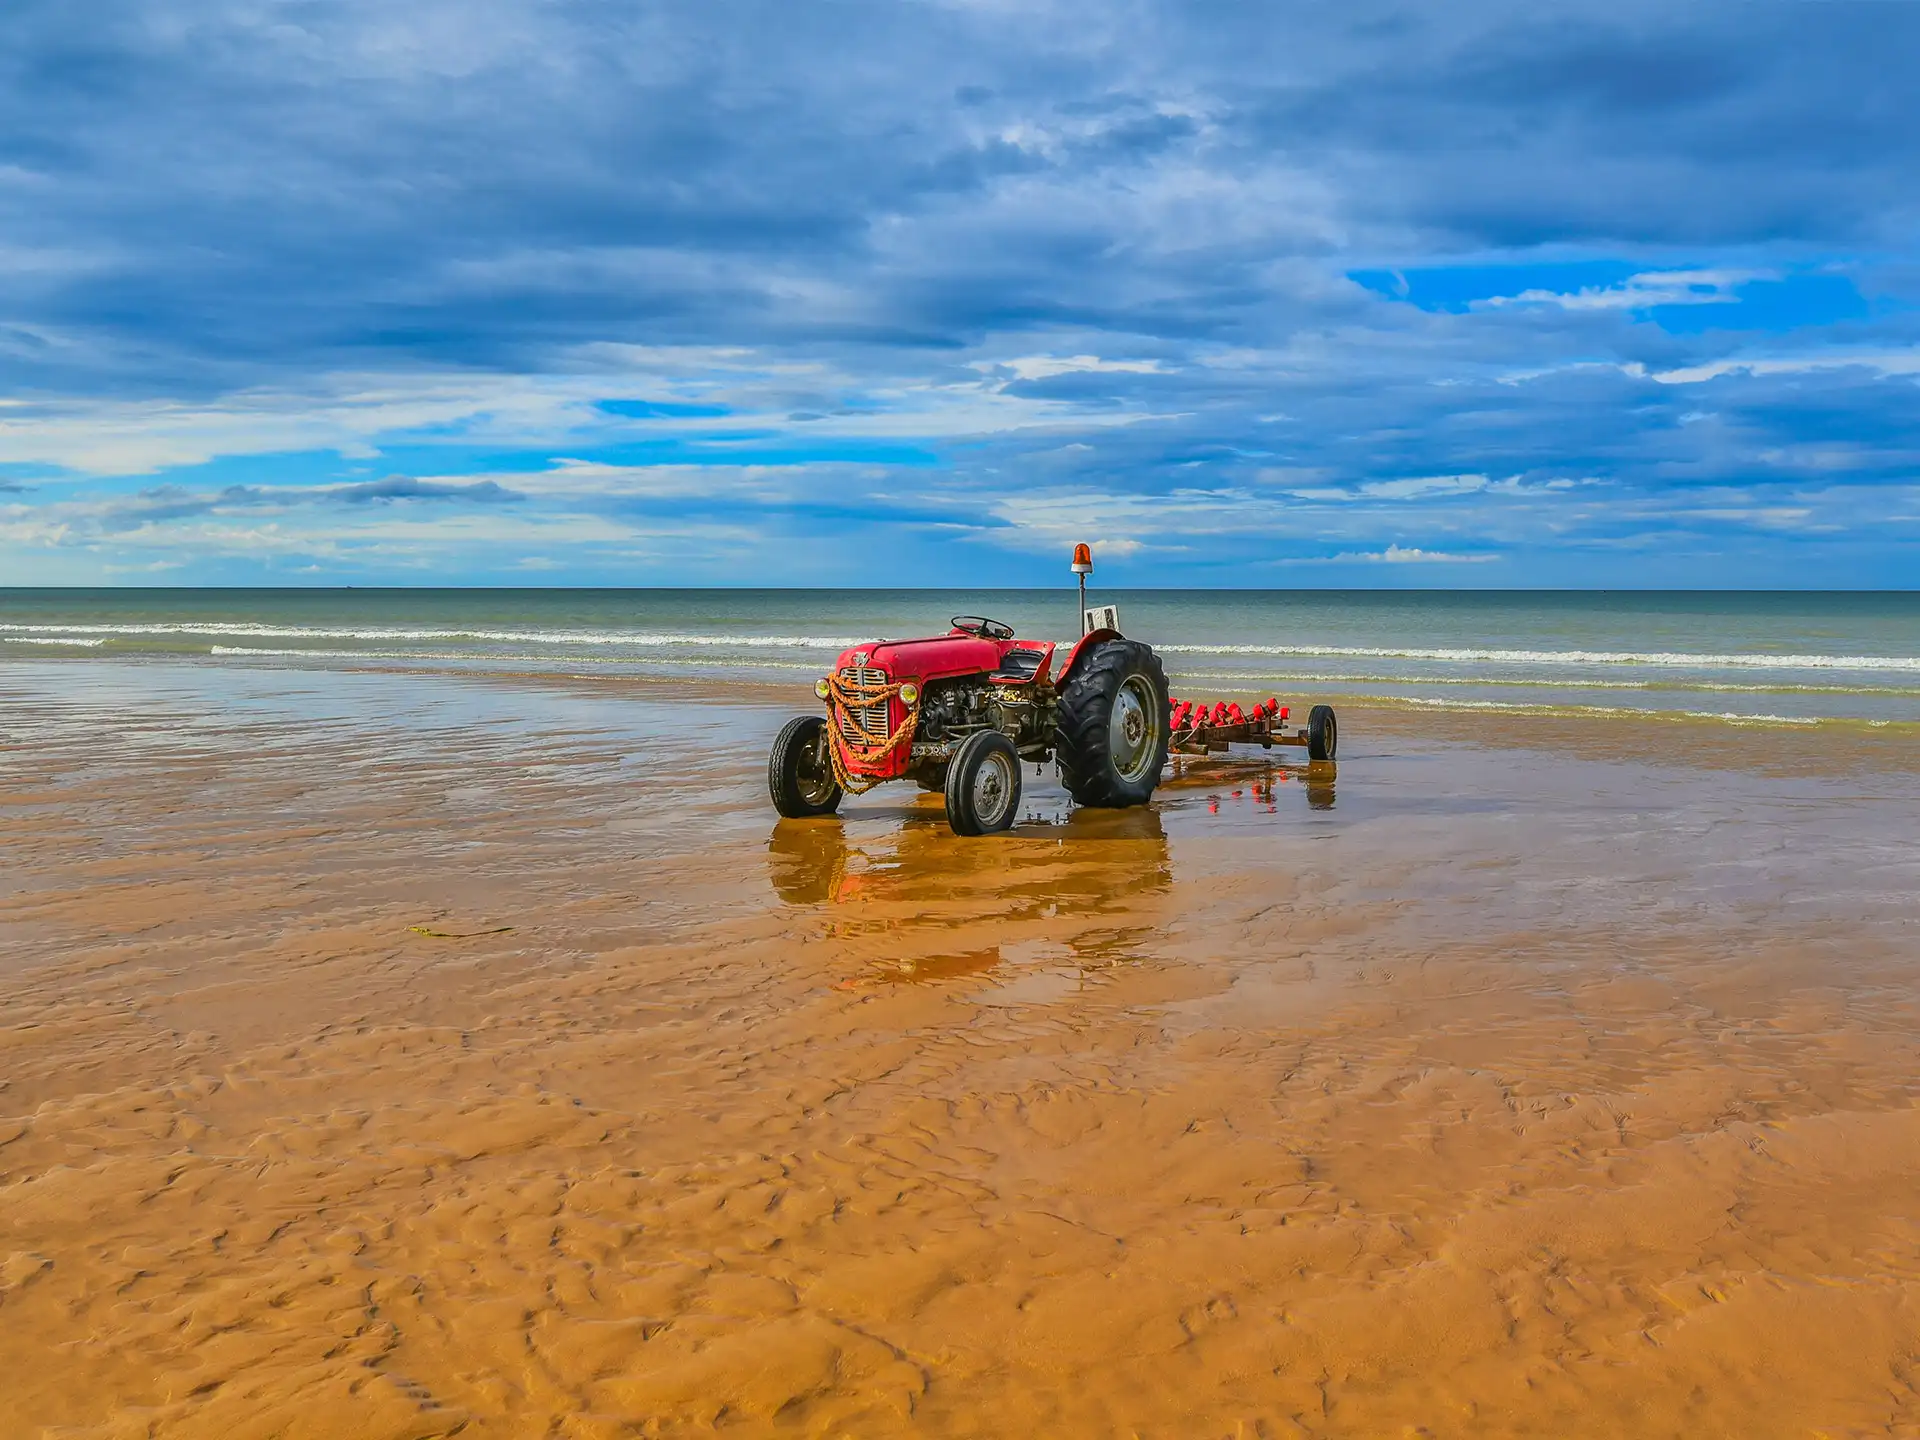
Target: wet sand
{"points": [[397, 1055]]}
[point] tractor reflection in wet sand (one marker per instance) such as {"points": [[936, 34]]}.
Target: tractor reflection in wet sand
{"points": [[960, 712]]}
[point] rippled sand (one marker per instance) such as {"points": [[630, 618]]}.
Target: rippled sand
{"points": [[1472, 1089]]}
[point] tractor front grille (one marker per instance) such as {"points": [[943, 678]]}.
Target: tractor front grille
{"points": [[865, 725]]}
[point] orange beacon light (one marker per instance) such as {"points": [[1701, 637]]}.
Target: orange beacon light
{"points": [[1083, 567]]}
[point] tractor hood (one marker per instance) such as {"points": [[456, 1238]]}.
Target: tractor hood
{"points": [[932, 659]]}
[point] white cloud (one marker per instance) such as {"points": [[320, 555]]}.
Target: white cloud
{"points": [[1422, 486], [355, 414], [288, 519], [1043, 367], [1639, 292], [1886, 362], [1394, 554], [1771, 517]]}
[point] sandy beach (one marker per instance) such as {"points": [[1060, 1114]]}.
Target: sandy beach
{"points": [[403, 1055]]}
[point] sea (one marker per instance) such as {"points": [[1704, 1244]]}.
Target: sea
{"points": [[1787, 659]]}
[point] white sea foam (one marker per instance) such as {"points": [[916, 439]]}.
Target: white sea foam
{"points": [[1733, 661], [634, 638], [315, 652], [54, 640], [1662, 685], [643, 639], [1732, 717]]}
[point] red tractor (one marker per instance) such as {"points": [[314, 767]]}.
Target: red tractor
{"points": [[960, 712]]}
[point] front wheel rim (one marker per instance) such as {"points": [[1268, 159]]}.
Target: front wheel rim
{"points": [[992, 790], [813, 771], [1133, 731]]}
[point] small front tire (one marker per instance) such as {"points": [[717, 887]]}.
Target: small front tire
{"points": [[983, 785], [1323, 733], [800, 772]]}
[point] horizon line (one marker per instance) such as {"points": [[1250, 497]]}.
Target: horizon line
{"points": [[986, 589]]}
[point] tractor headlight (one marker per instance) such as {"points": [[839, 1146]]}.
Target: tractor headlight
{"points": [[909, 693], [822, 688]]}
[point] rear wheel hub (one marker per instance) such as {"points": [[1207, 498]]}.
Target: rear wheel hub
{"points": [[1132, 741]]}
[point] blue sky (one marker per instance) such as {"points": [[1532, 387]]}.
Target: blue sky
{"points": [[507, 291]]}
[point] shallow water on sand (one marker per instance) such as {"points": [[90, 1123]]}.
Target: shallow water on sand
{"points": [[386, 1054]]}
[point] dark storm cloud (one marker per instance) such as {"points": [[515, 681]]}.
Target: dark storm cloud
{"points": [[225, 186], [160, 503], [406, 487]]}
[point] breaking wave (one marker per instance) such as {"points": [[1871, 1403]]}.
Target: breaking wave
{"points": [[1550, 682], [636, 638], [668, 640], [1731, 717], [312, 652], [1678, 659]]}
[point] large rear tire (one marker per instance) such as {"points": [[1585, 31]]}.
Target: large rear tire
{"points": [[799, 772], [983, 784], [1111, 744], [1323, 733]]}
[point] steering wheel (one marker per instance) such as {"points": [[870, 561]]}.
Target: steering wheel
{"points": [[986, 629]]}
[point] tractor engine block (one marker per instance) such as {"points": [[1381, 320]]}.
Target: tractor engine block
{"points": [[953, 709]]}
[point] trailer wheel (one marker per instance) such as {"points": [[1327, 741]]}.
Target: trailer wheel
{"points": [[983, 784], [799, 772], [1323, 733], [1111, 742]]}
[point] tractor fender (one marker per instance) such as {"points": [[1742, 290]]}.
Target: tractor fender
{"points": [[1086, 641]]}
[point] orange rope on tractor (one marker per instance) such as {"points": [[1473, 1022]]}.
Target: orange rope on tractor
{"points": [[843, 695]]}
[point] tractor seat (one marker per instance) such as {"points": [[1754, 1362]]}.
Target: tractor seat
{"points": [[1017, 667]]}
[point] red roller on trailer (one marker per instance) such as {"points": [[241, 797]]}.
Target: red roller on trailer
{"points": [[1198, 728]]}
